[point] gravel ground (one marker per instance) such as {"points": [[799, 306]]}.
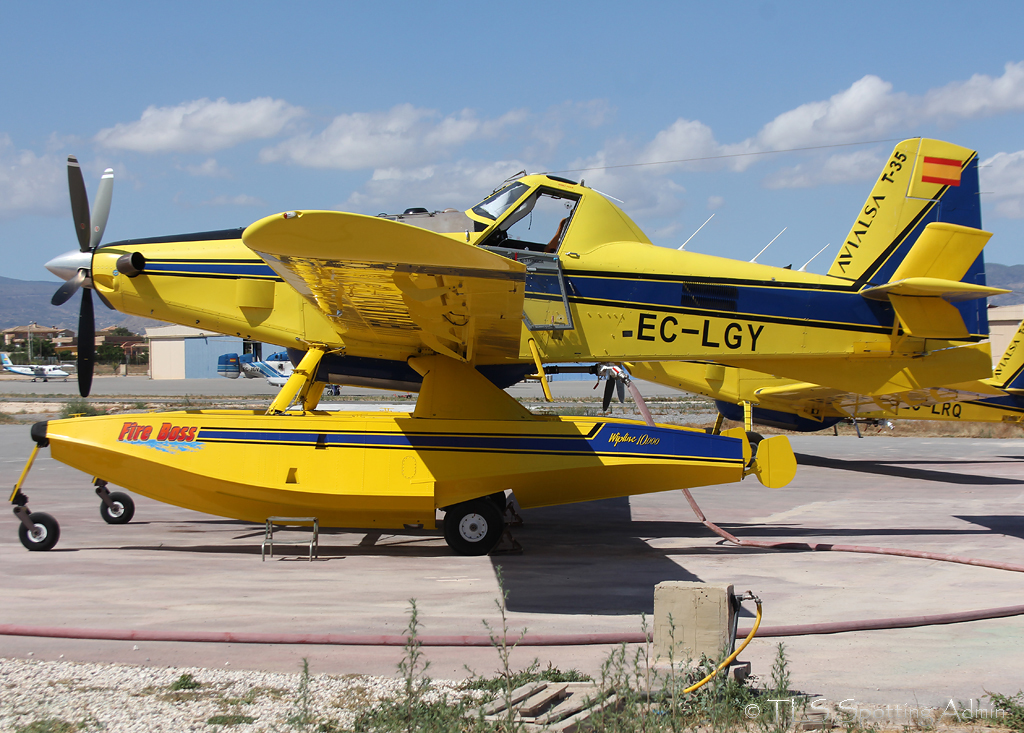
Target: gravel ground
{"points": [[121, 698]]}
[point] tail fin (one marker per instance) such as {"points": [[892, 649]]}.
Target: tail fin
{"points": [[1009, 373], [6, 359], [923, 181]]}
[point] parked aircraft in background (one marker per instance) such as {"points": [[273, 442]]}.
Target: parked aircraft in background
{"points": [[806, 407], [44, 372], [276, 368]]}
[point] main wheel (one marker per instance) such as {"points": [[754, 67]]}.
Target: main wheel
{"points": [[121, 512], [499, 499], [473, 527], [43, 536]]}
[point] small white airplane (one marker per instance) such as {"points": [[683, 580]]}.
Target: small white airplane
{"points": [[276, 368], [44, 372]]}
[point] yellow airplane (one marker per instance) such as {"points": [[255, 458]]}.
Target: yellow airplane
{"points": [[365, 300], [755, 398]]}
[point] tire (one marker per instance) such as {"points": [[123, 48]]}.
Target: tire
{"points": [[122, 511], [45, 535], [500, 501], [473, 527]]}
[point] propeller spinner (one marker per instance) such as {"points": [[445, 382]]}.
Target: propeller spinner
{"points": [[619, 380], [75, 268]]}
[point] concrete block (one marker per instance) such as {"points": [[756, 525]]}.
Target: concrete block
{"points": [[701, 620]]}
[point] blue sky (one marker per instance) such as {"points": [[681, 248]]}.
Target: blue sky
{"points": [[213, 115]]}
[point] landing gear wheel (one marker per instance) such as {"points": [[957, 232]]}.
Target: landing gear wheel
{"points": [[45, 534], [473, 527], [499, 499], [754, 439], [122, 511]]}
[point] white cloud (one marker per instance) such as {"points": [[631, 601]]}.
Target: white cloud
{"points": [[715, 203], [201, 126], [31, 184], [404, 136], [1002, 178], [869, 109], [239, 200], [979, 96], [209, 168], [457, 185], [866, 110], [682, 140], [842, 168]]}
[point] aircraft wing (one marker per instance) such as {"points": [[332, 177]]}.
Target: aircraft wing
{"points": [[390, 289], [812, 399]]}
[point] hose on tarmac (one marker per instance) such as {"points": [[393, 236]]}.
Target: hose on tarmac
{"points": [[574, 639], [905, 622]]}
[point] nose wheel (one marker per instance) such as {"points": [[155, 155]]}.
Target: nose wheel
{"points": [[38, 530]]}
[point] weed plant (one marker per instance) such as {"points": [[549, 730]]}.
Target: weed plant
{"points": [[78, 407], [1012, 707]]}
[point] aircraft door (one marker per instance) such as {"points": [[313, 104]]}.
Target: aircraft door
{"points": [[532, 234], [546, 307]]}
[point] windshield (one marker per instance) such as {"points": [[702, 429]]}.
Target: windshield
{"points": [[498, 203]]}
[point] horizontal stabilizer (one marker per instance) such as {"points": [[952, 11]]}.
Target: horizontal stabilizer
{"points": [[930, 278], [952, 291], [944, 251]]}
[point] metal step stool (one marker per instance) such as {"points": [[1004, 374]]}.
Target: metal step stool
{"points": [[270, 541]]}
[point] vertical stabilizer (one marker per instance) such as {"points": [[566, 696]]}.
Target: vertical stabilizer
{"points": [[1009, 373], [923, 181]]}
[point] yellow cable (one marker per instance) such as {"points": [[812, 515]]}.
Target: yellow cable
{"points": [[728, 661]]}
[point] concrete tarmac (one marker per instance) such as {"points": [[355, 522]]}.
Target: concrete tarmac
{"points": [[139, 386], [585, 568]]}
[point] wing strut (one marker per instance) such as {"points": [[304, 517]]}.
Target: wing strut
{"points": [[301, 384]]}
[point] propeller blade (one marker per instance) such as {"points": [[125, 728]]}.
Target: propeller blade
{"points": [[105, 301], [79, 203], [609, 387], [65, 291], [86, 343], [101, 208], [639, 399], [620, 391]]}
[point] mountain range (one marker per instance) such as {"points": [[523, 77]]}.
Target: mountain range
{"points": [[24, 301]]}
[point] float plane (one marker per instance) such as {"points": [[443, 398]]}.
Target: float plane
{"points": [[548, 271], [44, 372]]}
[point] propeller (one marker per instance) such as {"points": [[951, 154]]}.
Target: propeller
{"points": [[619, 380], [76, 267]]}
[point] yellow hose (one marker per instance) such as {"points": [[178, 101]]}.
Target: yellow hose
{"points": [[731, 657]]}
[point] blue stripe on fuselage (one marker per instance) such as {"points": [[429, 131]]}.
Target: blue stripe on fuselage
{"points": [[748, 301], [212, 268]]}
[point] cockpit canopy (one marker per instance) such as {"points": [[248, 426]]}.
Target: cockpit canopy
{"points": [[541, 213]]}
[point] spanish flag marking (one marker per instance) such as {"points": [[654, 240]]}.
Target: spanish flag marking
{"points": [[944, 171]]}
